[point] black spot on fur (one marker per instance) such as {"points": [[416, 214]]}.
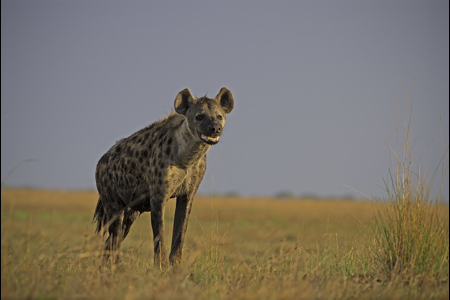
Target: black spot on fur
{"points": [[133, 165], [161, 136], [169, 141], [144, 153], [168, 151]]}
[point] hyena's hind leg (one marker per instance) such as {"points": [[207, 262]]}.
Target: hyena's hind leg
{"points": [[129, 217], [118, 230], [112, 243]]}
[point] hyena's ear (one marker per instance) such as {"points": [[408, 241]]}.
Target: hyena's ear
{"points": [[183, 100], [226, 99]]}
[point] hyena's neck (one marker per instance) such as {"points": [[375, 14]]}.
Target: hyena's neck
{"points": [[189, 149]]}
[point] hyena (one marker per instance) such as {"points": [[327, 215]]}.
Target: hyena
{"points": [[164, 160]]}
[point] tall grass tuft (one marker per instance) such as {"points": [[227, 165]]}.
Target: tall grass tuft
{"points": [[411, 235]]}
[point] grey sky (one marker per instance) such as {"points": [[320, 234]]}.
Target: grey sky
{"points": [[315, 86]]}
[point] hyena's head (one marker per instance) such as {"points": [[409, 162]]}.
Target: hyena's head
{"points": [[205, 116]]}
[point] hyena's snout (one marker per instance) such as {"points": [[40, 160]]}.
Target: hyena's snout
{"points": [[211, 132], [215, 129]]}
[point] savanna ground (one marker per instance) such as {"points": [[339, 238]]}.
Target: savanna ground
{"points": [[235, 248], [396, 247]]}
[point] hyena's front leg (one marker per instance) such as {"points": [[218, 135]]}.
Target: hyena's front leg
{"points": [[182, 211], [157, 215]]}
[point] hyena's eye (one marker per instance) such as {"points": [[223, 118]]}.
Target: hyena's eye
{"points": [[219, 117], [199, 117]]}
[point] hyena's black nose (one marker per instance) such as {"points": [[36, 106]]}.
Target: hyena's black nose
{"points": [[215, 128]]}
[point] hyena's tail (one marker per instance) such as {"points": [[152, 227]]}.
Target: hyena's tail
{"points": [[100, 217]]}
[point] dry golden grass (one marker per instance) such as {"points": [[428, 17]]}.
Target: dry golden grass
{"points": [[236, 248]]}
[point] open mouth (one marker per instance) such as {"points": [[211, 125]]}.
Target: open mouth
{"points": [[209, 139]]}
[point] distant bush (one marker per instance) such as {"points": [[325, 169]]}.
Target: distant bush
{"points": [[285, 194], [232, 194]]}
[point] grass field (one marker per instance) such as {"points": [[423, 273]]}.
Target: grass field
{"points": [[236, 248], [396, 247]]}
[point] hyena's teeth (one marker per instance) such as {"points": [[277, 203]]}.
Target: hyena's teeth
{"points": [[210, 138]]}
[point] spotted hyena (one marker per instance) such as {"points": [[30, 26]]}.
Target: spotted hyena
{"points": [[164, 160]]}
